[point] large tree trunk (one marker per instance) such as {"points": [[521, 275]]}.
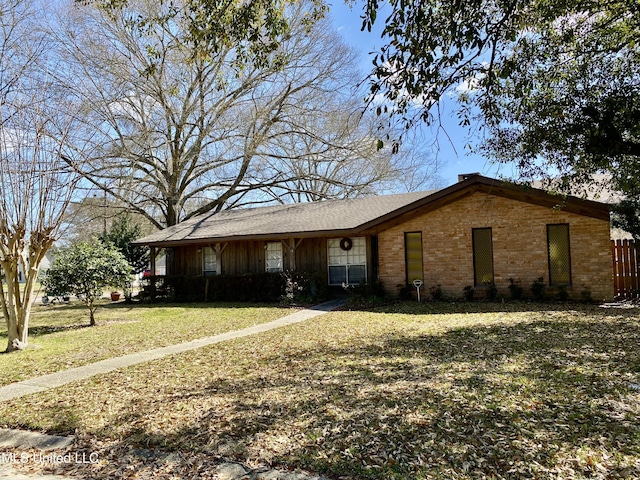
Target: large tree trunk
{"points": [[16, 304], [18, 326], [16, 317]]}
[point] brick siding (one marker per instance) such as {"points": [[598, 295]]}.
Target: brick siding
{"points": [[519, 247]]}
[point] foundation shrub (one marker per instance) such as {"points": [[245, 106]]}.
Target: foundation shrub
{"points": [[249, 287]]}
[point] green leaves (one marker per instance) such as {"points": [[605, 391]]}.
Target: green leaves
{"points": [[85, 270], [253, 28], [438, 44], [123, 232], [529, 70]]}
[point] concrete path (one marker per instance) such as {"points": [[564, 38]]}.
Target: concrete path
{"points": [[24, 439], [53, 380], [9, 473], [10, 438]]}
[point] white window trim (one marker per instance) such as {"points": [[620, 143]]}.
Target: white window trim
{"points": [[266, 257], [209, 272], [346, 265]]}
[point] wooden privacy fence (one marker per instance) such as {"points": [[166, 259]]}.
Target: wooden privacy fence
{"points": [[625, 268]]}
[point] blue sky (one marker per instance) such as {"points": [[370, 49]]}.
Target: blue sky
{"points": [[452, 155]]}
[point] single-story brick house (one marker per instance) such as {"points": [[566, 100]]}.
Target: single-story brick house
{"points": [[477, 231]]}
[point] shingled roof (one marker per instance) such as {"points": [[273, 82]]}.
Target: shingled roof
{"points": [[300, 219], [350, 216]]}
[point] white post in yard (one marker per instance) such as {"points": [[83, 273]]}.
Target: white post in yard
{"points": [[417, 283]]}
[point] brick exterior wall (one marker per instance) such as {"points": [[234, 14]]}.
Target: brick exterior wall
{"points": [[519, 235]]}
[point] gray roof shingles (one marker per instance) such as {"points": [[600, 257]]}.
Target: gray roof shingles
{"points": [[348, 217], [282, 220]]}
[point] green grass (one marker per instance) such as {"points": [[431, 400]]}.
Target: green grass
{"points": [[440, 391], [60, 336]]}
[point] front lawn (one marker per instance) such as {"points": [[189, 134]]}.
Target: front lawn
{"points": [[60, 336], [404, 392]]}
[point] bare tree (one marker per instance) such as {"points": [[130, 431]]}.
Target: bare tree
{"points": [[35, 184], [36, 188], [338, 157], [175, 135]]}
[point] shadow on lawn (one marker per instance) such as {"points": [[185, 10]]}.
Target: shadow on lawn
{"points": [[49, 325], [48, 329], [161, 305], [446, 307], [542, 399], [40, 330], [53, 327]]}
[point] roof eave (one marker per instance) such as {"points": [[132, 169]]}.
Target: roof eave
{"points": [[450, 194], [258, 237]]}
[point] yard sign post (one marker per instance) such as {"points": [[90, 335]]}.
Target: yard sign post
{"points": [[417, 283]]}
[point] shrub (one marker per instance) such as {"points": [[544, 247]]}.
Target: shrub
{"points": [[300, 287], [562, 294], [367, 295], [85, 270], [368, 290], [436, 293], [585, 296], [249, 287], [404, 291], [467, 293], [491, 292], [515, 290], [538, 289]]}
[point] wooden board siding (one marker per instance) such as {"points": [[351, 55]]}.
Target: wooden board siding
{"points": [[311, 255], [237, 257], [245, 257], [185, 260], [249, 257]]}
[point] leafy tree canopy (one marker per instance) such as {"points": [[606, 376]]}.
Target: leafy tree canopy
{"points": [[124, 231], [253, 28], [626, 216], [554, 83], [85, 270]]}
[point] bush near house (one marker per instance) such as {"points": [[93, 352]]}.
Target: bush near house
{"points": [[250, 287]]}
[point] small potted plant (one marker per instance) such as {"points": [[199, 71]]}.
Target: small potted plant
{"points": [[115, 296]]}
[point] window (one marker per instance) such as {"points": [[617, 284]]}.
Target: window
{"points": [[347, 260], [413, 256], [273, 257], [482, 256], [559, 254], [209, 262]]}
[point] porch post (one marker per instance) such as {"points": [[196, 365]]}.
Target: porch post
{"points": [[292, 245], [152, 267], [219, 248]]}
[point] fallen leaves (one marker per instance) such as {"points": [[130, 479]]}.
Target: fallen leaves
{"points": [[395, 394]]}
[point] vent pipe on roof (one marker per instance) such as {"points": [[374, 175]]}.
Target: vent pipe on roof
{"points": [[465, 176]]}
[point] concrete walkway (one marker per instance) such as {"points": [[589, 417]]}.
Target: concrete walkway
{"points": [[7, 472], [53, 380], [28, 440]]}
